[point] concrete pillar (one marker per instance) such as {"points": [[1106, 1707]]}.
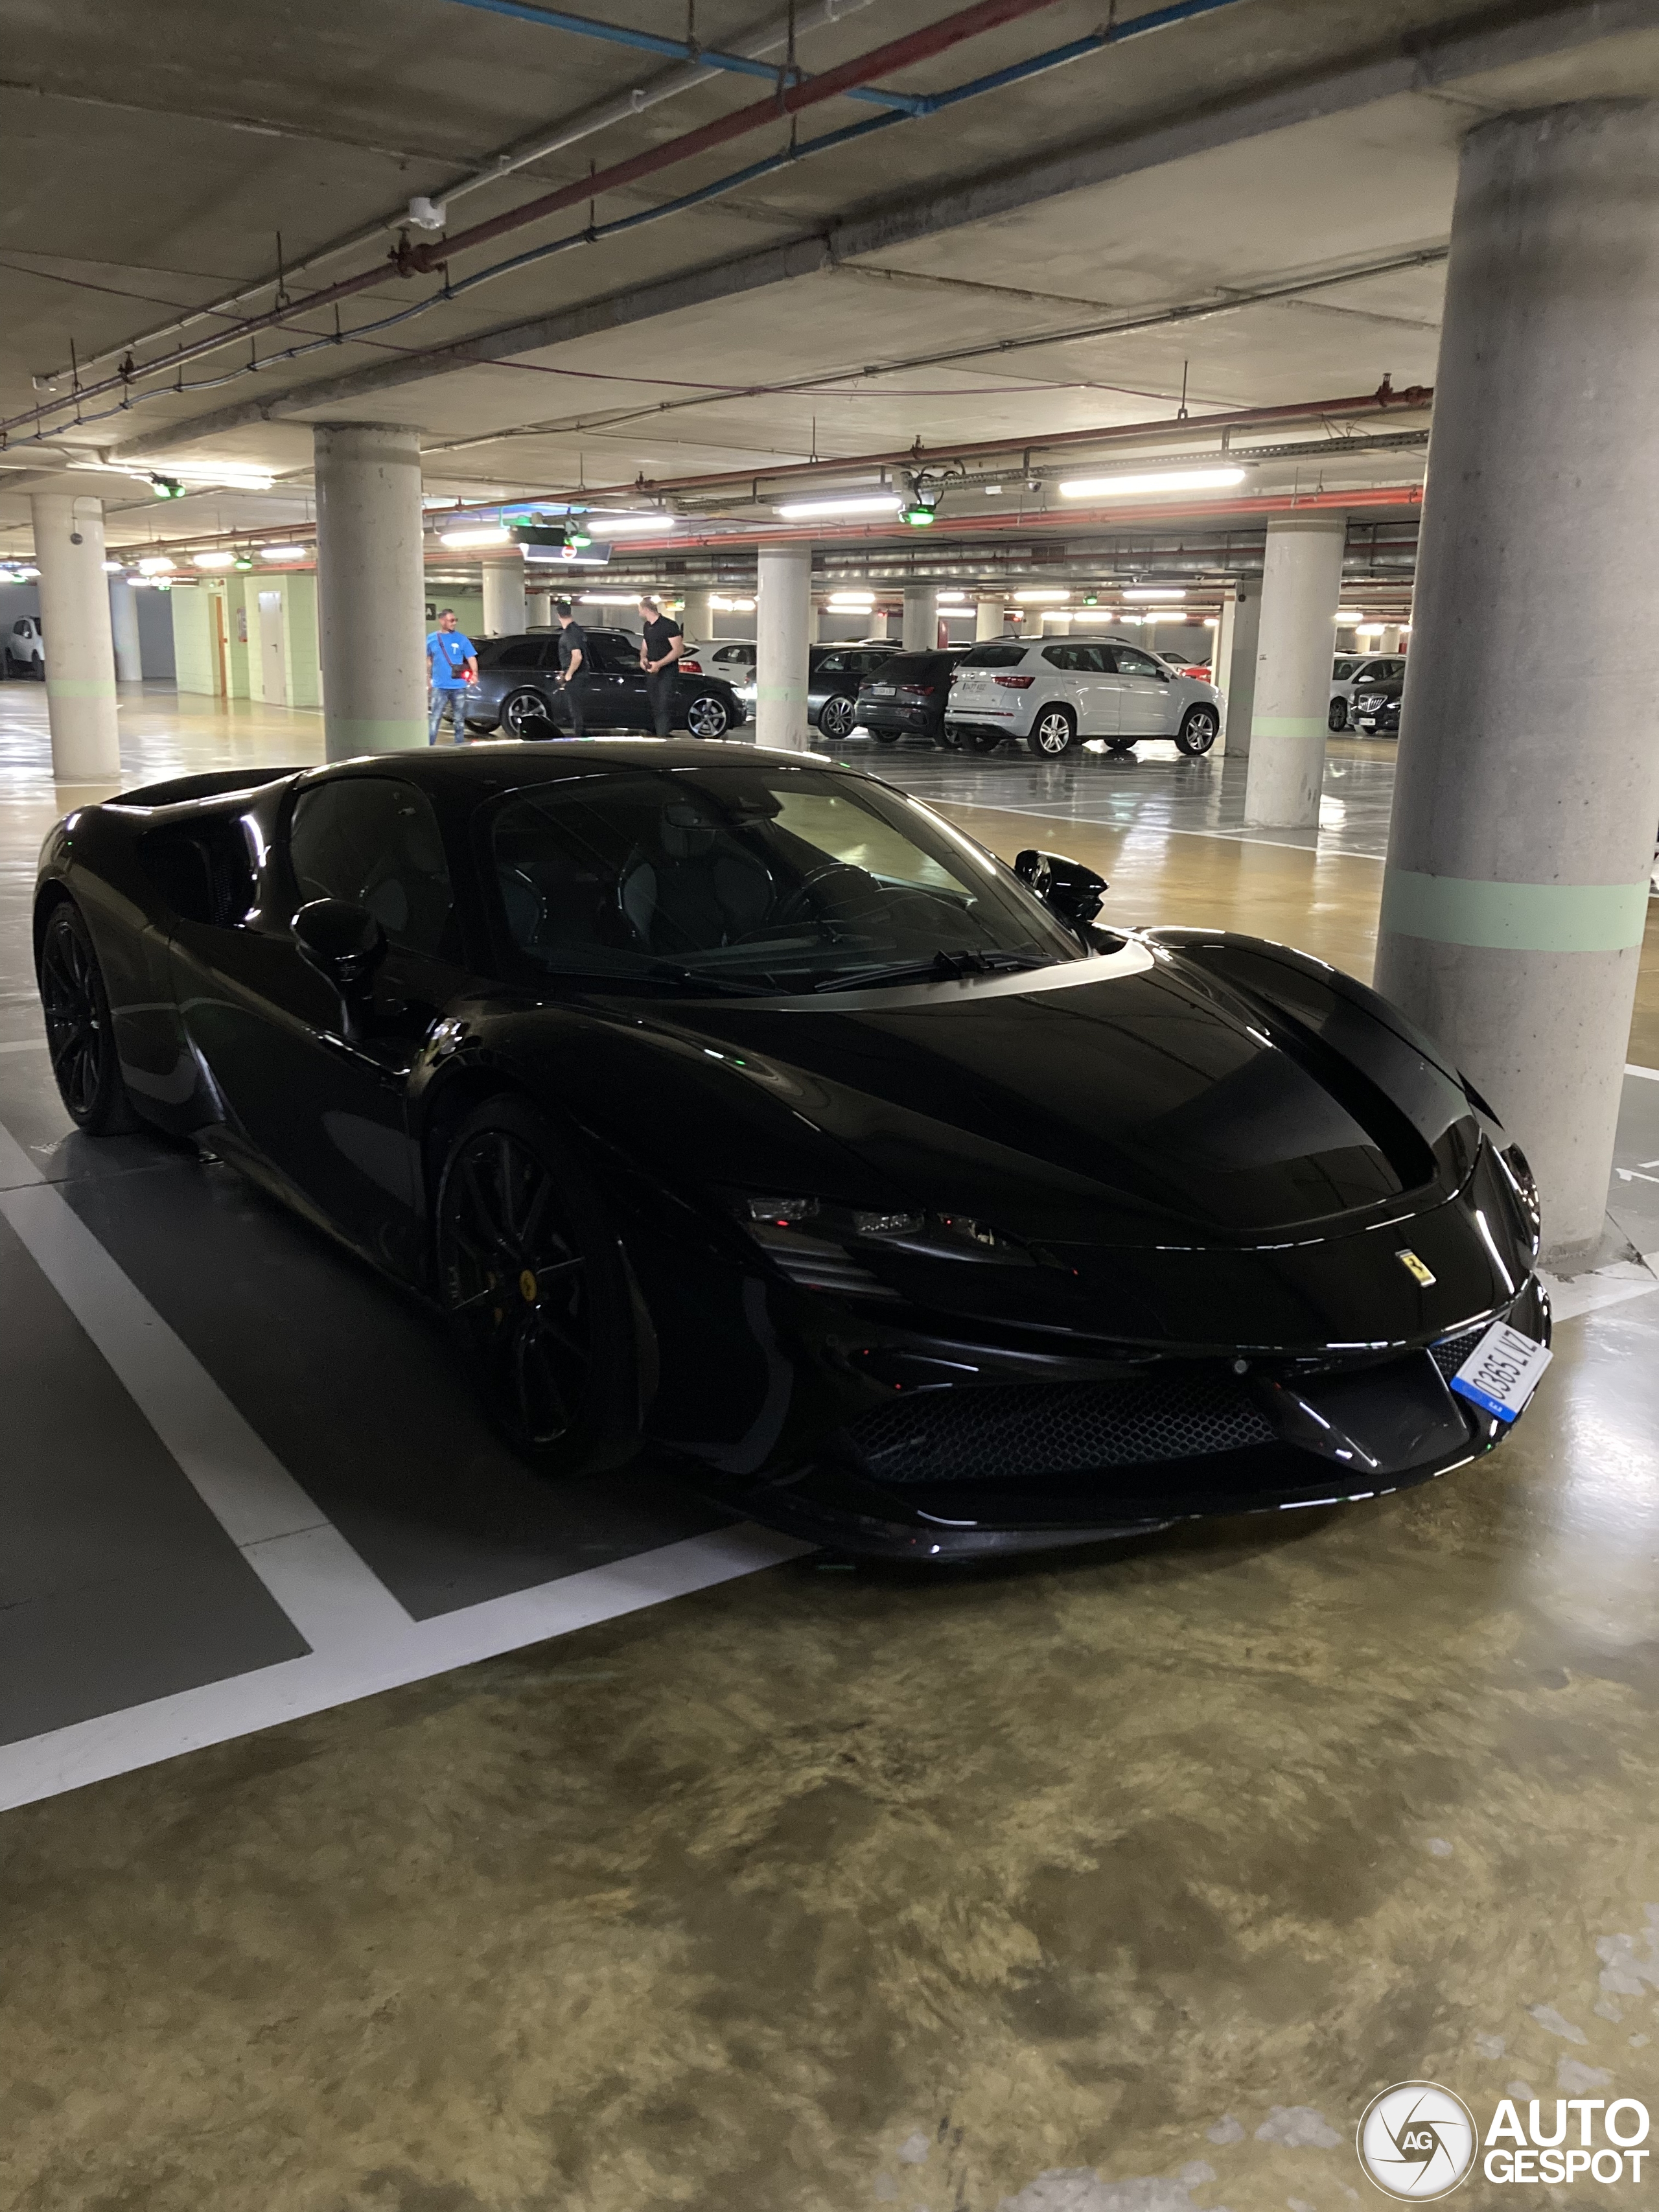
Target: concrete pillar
{"points": [[698, 617], [504, 596], [1528, 787], [1221, 659], [371, 588], [123, 631], [814, 623], [1300, 584], [1238, 670], [783, 605], [1390, 641], [68, 551], [539, 610], [990, 619], [919, 632]]}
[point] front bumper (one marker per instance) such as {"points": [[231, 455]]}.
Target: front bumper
{"points": [[959, 1450]]}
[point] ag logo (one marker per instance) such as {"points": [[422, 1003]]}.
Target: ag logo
{"points": [[1418, 2141]]}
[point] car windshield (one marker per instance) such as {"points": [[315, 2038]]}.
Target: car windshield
{"points": [[752, 878]]}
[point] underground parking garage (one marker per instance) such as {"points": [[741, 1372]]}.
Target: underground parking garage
{"points": [[829, 1106]]}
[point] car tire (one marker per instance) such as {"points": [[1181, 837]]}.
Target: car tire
{"points": [[886, 737], [984, 741], [521, 709], [1054, 732], [837, 717], [1199, 728], [1337, 717], [80, 1036], [708, 715], [531, 1274]]}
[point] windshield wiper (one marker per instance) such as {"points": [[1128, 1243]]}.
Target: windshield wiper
{"points": [[666, 971], [938, 968]]}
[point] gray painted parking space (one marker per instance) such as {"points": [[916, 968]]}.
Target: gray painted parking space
{"points": [[117, 1584]]}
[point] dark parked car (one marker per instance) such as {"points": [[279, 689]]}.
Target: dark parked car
{"points": [[905, 696], [1375, 707], [518, 689], [834, 674], [741, 1108]]}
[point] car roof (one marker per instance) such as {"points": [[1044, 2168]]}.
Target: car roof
{"points": [[506, 763]]}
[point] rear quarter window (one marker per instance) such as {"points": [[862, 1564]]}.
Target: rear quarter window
{"points": [[994, 656]]}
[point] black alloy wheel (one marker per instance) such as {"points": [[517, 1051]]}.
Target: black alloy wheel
{"points": [[520, 710], [1199, 728], [836, 716], [79, 1036], [1337, 717], [1054, 732], [709, 715], [885, 737], [532, 1275]]}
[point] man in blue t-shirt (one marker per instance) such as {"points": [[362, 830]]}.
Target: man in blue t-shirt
{"points": [[452, 663]]}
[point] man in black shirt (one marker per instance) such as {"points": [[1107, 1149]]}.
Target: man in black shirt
{"points": [[660, 648], [573, 659]]}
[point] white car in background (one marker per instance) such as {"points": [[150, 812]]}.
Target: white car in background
{"points": [[1053, 693], [25, 646], [1355, 671]]}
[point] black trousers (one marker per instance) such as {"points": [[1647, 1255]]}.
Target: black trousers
{"points": [[574, 694], [660, 686]]}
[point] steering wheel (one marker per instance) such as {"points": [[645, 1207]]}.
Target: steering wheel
{"points": [[794, 908]]}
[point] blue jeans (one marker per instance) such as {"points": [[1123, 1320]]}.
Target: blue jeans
{"points": [[446, 703]]}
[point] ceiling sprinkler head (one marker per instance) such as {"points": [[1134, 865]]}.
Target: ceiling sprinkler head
{"points": [[425, 214]]}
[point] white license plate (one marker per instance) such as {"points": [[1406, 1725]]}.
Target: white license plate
{"points": [[1503, 1370], [881, 690]]}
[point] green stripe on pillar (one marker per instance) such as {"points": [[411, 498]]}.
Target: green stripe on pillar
{"points": [[79, 687], [1515, 917], [1289, 726]]}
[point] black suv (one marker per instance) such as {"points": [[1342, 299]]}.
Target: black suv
{"points": [[517, 688], [905, 696]]}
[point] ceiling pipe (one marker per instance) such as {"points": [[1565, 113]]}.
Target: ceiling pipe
{"points": [[603, 116], [898, 53]]}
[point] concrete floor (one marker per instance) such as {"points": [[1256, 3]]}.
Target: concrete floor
{"points": [[822, 1889]]}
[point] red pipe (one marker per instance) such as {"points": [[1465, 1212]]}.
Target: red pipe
{"points": [[897, 53], [1414, 398], [918, 46]]}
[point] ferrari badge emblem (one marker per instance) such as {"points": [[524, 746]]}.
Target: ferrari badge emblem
{"points": [[1420, 1274]]}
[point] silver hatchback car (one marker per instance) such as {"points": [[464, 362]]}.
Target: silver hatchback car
{"points": [[1054, 692]]}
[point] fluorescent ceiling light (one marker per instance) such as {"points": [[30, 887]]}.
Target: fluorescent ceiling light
{"points": [[953, 599], [483, 534], [213, 560], [114, 567], [610, 598], [1154, 592], [1035, 598], [601, 523], [801, 510], [284, 552], [157, 565], [994, 491], [1156, 480], [732, 606], [854, 602]]}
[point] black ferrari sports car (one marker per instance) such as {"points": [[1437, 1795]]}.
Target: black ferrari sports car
{"points": [[736, 1104]]}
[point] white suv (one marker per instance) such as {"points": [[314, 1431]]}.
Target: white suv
{"points": [[1054, 691]]}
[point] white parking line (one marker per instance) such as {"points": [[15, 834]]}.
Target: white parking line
{"points": [[363, 1640]]}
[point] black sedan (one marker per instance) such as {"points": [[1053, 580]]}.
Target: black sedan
{"points": [[905, 696], [731, 1104], [518, 689], [1376, 709]]}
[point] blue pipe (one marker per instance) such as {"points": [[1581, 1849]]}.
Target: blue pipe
{"points": [[561, 19]]}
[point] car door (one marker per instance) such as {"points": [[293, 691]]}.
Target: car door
{"points": [[1089, 683], [1146, 698], [328, 1112], [615, 685]]}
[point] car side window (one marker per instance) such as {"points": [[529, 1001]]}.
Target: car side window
{"points": [[1060, 656], [523, 652], [373, 841], [1130, 662], [834, 664]]}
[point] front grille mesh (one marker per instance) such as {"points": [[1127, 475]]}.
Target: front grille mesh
{"points": [[1006, 1433], [1451, 1352]]}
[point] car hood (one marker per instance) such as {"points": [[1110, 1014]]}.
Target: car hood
{"points": [[1130, 1100]]}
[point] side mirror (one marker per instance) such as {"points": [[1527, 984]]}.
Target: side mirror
{"points": [[1164, 676], [1066, 887], [345, 945]]}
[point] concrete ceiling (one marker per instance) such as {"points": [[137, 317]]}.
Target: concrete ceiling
{"points": [[150, 160]]}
